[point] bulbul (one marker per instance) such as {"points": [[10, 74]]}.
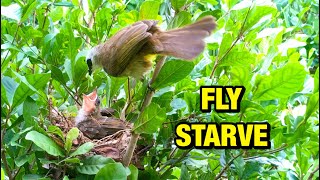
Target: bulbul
{"points": [[130, 51]]}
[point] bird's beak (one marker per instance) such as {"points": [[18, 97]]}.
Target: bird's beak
{"points": [[89, 63]]}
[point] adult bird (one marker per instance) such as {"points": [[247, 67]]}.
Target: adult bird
{"points": [[130, 51]]}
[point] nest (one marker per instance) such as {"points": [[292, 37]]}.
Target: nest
{"points": [[109, 134]]}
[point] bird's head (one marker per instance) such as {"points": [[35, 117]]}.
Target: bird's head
{"points": [[91, 59]]}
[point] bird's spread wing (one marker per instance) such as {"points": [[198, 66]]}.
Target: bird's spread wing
{"points": [[124, 45]]}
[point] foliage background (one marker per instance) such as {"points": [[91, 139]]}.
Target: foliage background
{"points": [[271, 48]]}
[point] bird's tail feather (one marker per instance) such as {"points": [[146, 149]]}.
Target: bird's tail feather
{"points": [[186, 42]]}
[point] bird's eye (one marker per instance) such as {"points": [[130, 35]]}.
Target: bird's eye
{"points": [[89, 63], [97, 102]]}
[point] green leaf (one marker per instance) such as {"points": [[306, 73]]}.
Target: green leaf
{"points": [[316, 81], [178, 103], [21, 93], [94, 4], [66, 4], [56, 130], [251, 169], [280, 83], [5, 3], [184, 173], [44, 143], [27, 10], [16, 122], [84, 148], [46, 161], [185, 84], [38, 81], [33, 177], [91, 165], [239, 166], [312, 105], [290, 43], [172, 72], [72, 135], [13, 11], [241, 75], [181, 19], [238, 58], [30, 110], [257, 13], [149, 10], [303, 158], [72, 160], [79, 71], [17, 135], [10, 87], [112, 171], [177, 4], [150, 120], [4, 98], [56, 74], [249, 106], [134, 172], [2, 171], [225, 44], [192, 99], [114, 86], [56, 14], [30, 84], [21, 160]]}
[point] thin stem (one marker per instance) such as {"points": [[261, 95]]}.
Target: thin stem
{"points": [[128, 102], [241, 32], [3, 151], [313, 172], [17, 172], [147, 100], [185, 153], [227, 166], [109, 29], [14, 37], [90, 24], [267, 152]]}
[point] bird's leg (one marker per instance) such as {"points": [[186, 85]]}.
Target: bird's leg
{"points": [[129, 98], [150, 88]]}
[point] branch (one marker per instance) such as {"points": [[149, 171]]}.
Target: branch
{"points": [[227, 166], [185, 153], [90, 24], [268, 152], [217, 61], [3, 151], [312, 173], [147, 99], [14, 37]]}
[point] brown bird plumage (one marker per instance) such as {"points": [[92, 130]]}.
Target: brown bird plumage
{"points": [[127, 53], [92, 123]]}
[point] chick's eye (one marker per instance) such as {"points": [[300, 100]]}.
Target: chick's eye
{"points": [[97, 102]]}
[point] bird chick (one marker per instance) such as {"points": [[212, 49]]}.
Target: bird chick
{"points": [[90, 108]]}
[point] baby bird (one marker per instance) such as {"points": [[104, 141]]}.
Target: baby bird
{"points": [[90, 108], [95, 123]]}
